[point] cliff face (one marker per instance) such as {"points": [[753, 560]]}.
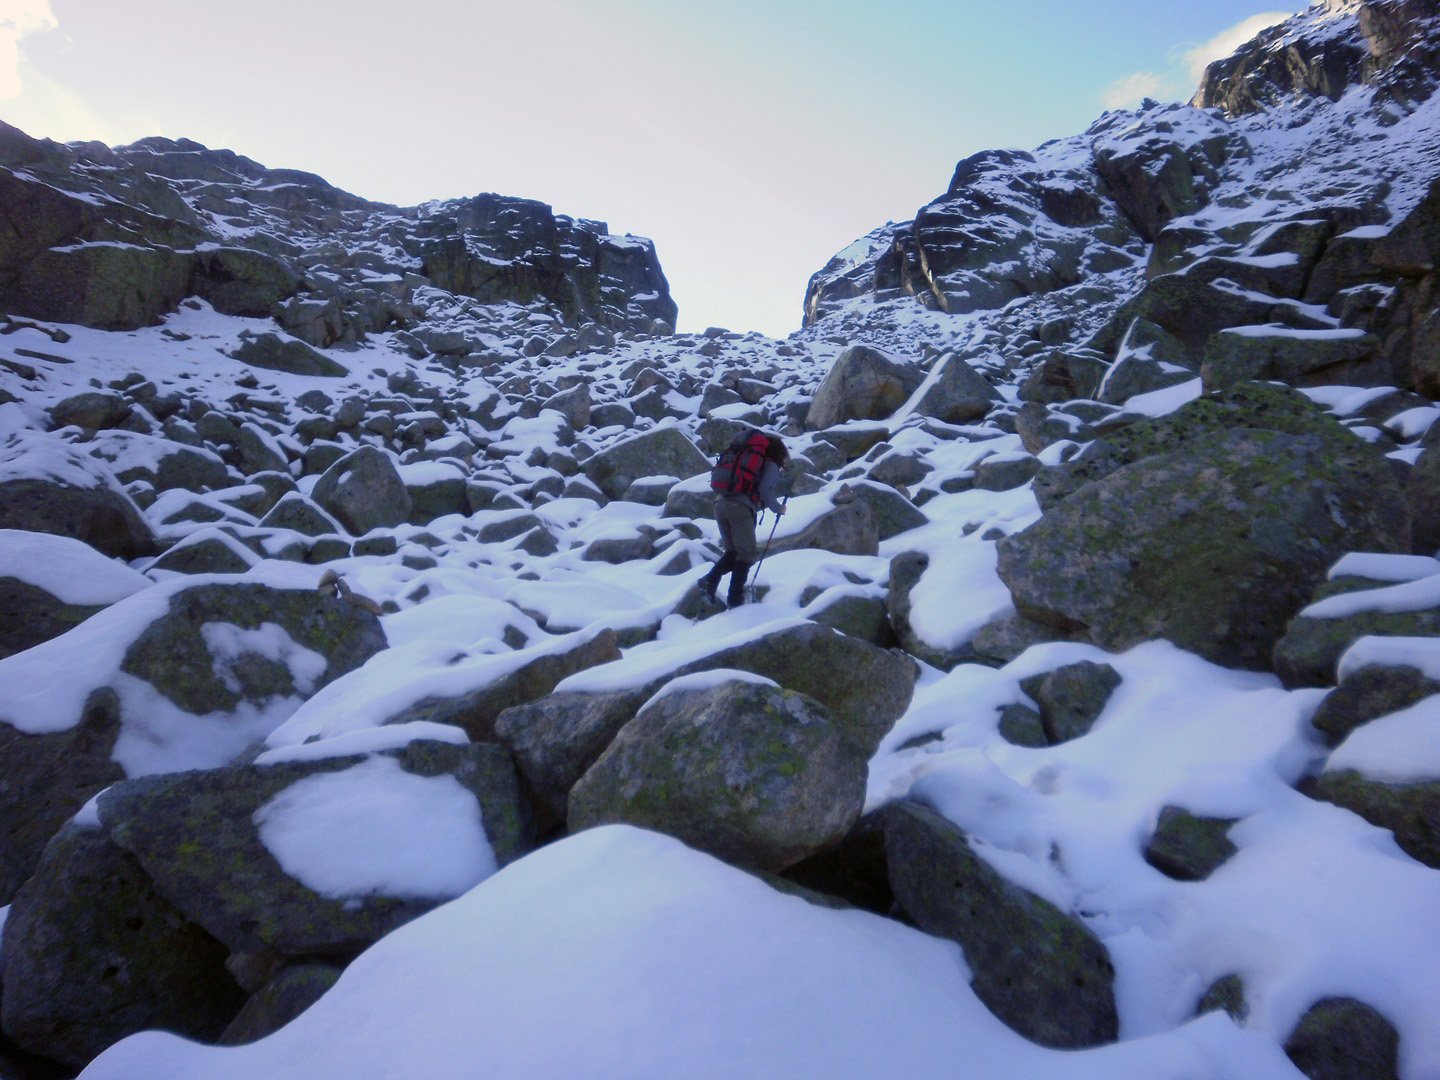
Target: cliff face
{"points": [[114, 238], [1319, 127], [1390, 44]]}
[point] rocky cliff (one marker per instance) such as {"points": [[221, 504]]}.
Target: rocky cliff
{"points": [[115, 238], [1270, 187]]}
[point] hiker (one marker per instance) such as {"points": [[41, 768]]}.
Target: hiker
{"points": [[745, 480]]}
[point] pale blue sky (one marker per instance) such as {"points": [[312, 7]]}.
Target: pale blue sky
{"points": [[751, 140]]}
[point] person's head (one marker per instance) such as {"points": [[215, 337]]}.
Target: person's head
{"points": [[777, 452]]}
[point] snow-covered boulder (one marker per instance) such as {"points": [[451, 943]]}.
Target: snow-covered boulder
{"points": [[733, 765], [1366, 595], [510, 680], [47, 486], [158, 462], [954, 392], [93, 953], [843, 527], [674, 965], [664, 451], [295, 512], [277, 353], [49, 584], [1038, 968], [863, 384], [555, 739], [364, 491], [1387, 770], [183, 675], [92, 410], [319, 856]]}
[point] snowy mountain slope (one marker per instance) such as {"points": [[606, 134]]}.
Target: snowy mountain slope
{"points": [[402, 554], [1219, 177]]}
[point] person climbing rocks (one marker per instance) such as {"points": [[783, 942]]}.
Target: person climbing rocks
{"points": [[745, 480]]}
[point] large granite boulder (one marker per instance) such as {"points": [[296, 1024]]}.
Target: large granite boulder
{"points": [[110, 286], [45, 486], [754, 774], [364, 491], [241, 850], [1248, 405], [93, 953], [1037, 968], [956, 393], [663, 451], [1150, 524], [863, 384], [1139, 554], [865, 688], [173, 677], [290, 355], [241, 281], [50, 584], [1297, 357]]}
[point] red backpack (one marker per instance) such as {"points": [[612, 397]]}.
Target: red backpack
{"points": [[738, 470]]}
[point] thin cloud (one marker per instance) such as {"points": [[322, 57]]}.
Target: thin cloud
{"points": [[1201, 56], [17, 19], [1128, 92]]}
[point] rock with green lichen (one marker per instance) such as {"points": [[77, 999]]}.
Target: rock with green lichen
{"points": [[1311, 647], [1411, 811], [1369, 692], [279, 1001], [223, 653], [1225, 994], [1260, 406], [1037, 968], [196, 837], [1071, 698], [94, 953], [754, 774], [1213, 545], [1344, 1039], [1187, 847]]}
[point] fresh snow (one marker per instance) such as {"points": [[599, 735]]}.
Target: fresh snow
{"points": [[1420, 653], [376, 829], [70, 570], [619, 952], [1418, 595], [1401, 748]]}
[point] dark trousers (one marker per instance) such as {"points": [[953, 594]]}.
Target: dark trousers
{"points": [[736, 519]]}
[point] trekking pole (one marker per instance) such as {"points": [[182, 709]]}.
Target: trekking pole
{"points": [[754, 585]]}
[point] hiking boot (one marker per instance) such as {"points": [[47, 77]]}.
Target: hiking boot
{"points": [[736, 594]]}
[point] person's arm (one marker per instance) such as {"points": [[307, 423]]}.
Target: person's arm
{"points": [[769, 488]]}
